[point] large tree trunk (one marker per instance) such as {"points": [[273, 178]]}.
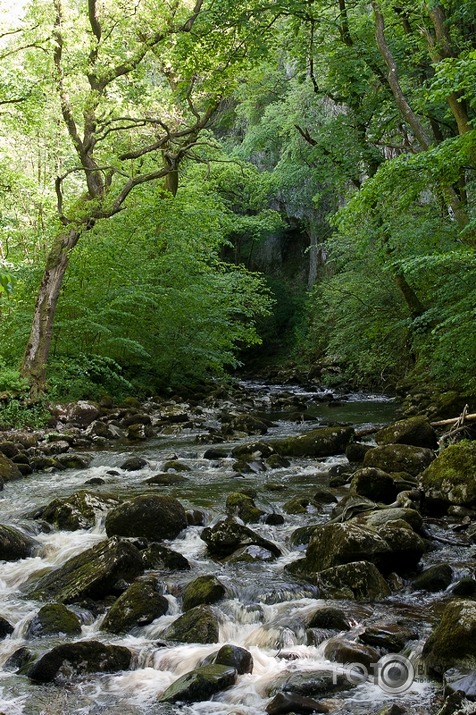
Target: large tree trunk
{"points": [[36, 354]]}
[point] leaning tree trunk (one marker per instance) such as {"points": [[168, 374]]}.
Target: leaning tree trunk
{"points": [[37, 351]]}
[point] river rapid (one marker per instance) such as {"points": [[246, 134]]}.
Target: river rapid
{"points": [[265, 609]]}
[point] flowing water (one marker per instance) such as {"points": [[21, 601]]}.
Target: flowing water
{"points": [[265, 610]]}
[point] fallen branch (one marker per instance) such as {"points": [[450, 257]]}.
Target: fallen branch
{"points": [[463, 417]]}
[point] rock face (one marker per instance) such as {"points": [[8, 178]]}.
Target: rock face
{"points": [[14, 544], [452, 476], [199, 625], [52, 619], [204, 589], [8, 470], [228, 536], [415, 431], [91, 574], [79, 511], [72, 659], [453, 641], [200, 684], [399, 458], [322, 442], [139, 605], [150, 515]]}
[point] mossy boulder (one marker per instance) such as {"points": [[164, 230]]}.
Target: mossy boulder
{"points": [[91, 574], [53, 619], [329, 618], [199, 625], [234, 656], [321, 442], [283, 703], [378, 518], [204, 589], [156, 556], [339, 650], [435, 578], [228, 536], [9, 471], [399, 458], [374, 484], [139, 605], [356, 451], [166, 479], [81, 510], [392, 547], [243, 506], [301, 505], [452, 476], [151, 515], [14, 544], [452, 642], [200, 684], [73, 659], [359, 580], [416, 431]]}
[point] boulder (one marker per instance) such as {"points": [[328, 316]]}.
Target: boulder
{"points": [[101, 429], [358, 580], [166, 479], [204, 589], [399, 458], [150, 515], [339, 650], [243, 506], [139, 605], [199, 625], [228, 536], [74, 461], [91, 574], [378, 518], [301, 505], [387, 636], [134, 464], [283, 703], [329, 618], [356, 451], [53, 619], [81, 413], [200, 684], [452, 476], [435, 578], [9, 471], [156, 556], [460, 681], [81, 510], [452, 642], [393, 547], [72, 659], [14, 544], [321, 442], [374, 484], [315, 683], [235, 657], [6, 628], [415, 431]]}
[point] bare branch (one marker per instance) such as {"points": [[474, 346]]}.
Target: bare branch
{"points": [[131, 184]]}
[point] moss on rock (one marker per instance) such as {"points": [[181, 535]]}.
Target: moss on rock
{"points": [[452, 476]]}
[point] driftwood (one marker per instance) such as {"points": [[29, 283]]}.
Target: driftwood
{"points": [[458, 424], [463, 417]]}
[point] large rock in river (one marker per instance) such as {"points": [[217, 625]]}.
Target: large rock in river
{"points": [[9, 471], [228, 536], [416, 431], [78, 511], [203, 589], [200, 684], [322, 442], [399, 458], [92, 574], [72, 659], [453, 641], [452, 476], [139, 605], [14, 544], [359, 580], [151, 515], [199, 625], [53, 619]]}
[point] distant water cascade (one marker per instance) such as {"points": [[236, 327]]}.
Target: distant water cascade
{"points": [[265, 610]]}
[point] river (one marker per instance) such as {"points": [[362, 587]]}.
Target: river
{"points": [[264, 611]]}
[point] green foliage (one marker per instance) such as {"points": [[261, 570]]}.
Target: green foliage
{"points": [[19, 414], [83, 376]]}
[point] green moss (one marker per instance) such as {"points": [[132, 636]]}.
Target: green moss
{"points": [[452, 476]]}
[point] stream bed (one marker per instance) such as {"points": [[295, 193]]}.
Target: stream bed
{"points": [[265, 609]]}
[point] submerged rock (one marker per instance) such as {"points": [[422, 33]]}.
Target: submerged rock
{"points": [[283, 703], [139, 605], [14, 544], [72, 659], [92, 574], [78, 511], [150, 515], [200, 684]]}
